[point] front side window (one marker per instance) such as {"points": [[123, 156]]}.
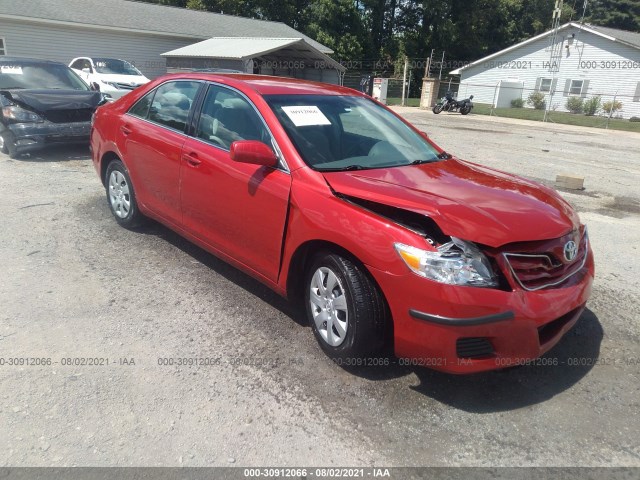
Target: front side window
{"points": [[114, 66], [228, 117], [576, 87], [171, 104], [44, 76], [334, 132]]}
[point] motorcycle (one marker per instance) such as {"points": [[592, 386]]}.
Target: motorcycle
{"points": [[450, 104]]}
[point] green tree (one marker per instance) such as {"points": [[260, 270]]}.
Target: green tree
{"points": [[336, 24], [622, 14]]}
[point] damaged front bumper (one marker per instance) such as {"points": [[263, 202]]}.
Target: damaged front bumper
{"points": [[29, 137], [467, 330]]}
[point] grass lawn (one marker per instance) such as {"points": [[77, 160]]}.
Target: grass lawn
{"points": [[557, 117], [409, 102]]}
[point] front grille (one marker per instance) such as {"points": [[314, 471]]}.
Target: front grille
{"points": [[126, 86], [546, 267], [474, 347], [70, 116]]}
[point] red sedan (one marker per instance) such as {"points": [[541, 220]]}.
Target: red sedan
{"points": [[332, 199]]}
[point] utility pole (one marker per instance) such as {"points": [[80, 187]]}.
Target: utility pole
{"points": [[404, 79]]}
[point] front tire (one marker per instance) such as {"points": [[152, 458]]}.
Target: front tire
{"points": [[121, 197], [345, 308], [8, 144], [437, 109]]}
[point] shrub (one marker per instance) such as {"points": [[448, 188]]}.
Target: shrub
{"points": [[634, 119], [537, 100], [611, 107], [592, 106], [575, 104], [517, 103]]}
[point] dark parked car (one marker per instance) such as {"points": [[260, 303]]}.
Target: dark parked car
{"points": [[42, 103]]}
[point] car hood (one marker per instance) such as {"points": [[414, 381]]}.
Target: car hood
{"points": [[466, 200], [133, 80], [47, 100]]}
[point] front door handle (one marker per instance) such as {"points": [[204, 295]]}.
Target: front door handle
{"points": [[125, 129], [192, 159]]}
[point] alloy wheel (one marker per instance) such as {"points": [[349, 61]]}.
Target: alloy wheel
{"points": [[119, 194], [329, 306]]}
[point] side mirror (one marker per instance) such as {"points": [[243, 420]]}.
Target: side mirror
{"points": [[254, 152], [86, 70], [94, 86]]}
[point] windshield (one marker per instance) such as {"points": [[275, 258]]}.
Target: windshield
{"points": [[113, 66], [348, 133], [39, 76]]}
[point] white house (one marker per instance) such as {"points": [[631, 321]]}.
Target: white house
{"points": [[577, 60]]}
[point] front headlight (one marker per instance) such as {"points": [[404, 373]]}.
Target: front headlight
{"points": [[20, 115], [454, 263]]}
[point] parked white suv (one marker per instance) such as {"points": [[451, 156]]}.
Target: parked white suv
{"points": [[115, 77]]}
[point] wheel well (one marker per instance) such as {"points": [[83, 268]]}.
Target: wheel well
{"points": [[107, 158], [300, 262]]}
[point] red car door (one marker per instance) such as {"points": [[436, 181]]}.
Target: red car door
{"points": [[239, 209], [152, 136]]}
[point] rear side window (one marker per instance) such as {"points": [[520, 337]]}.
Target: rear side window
{"points": [[141, 107], [82, 63], [168, 105]]}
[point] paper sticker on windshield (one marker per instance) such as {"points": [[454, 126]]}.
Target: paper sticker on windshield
{"points": [[11, 69], [306, 116]]}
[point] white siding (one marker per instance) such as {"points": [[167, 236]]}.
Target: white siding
{"points": [[581, 61], [63, 43]]}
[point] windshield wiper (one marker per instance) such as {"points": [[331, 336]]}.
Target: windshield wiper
{"points": [[445, 156], [420, 162], [343, 169]]}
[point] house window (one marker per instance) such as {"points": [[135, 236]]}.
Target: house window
{"points": [[576, 87], [636, 97], [3, 49], [545, 85]]}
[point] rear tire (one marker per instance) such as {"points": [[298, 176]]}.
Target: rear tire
{"points": [[437, 109], [121, 197], [465, 110], [346, 310]]}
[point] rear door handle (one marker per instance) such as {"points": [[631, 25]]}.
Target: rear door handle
{"points": [[192, 159], [125, 129]]}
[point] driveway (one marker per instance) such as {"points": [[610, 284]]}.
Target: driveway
{"points": [[99, 311]]}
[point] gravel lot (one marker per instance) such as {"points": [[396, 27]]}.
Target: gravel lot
{"points": [[74, 284]]}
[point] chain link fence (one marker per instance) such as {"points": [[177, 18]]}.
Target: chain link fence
{"points": [[550, 100]]}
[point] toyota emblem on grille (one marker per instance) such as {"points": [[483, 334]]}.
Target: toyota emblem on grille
{"points": [[570, 251]]}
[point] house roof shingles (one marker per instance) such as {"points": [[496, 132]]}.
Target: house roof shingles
{"points": [[147, 17], [631, 38]]}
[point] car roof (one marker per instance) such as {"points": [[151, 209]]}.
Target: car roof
{"points": [[269, 85], [28, 60]]}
